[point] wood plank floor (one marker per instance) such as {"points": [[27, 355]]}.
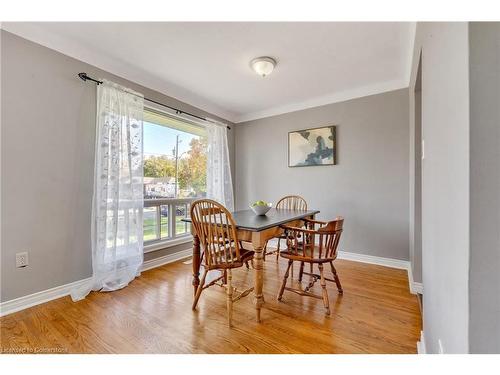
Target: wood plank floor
{"points": [[376, 314]]}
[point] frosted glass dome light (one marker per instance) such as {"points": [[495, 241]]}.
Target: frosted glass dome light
{"points": [[263, 66]]}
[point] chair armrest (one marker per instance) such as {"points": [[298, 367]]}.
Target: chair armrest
{"points": [[315, 221], [297, 229]]}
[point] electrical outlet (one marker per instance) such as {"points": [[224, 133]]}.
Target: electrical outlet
{"points": [[441, 350], [22, 260]]}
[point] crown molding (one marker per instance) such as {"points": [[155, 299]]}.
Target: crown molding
{"points": [[64, 45], [61, 44], [336, 97]]}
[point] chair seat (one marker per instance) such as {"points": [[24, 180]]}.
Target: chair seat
{"points": [[300, 256], [245, 256]]}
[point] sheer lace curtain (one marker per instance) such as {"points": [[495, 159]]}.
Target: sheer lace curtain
{"points": [[117, 205], [219, 182]]}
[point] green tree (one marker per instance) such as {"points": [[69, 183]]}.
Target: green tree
{"points": [[159, 166], [193, 168]]}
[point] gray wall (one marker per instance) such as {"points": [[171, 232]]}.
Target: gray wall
{"points": [[445, 181], [416, 181], [47, 156], [369, 186], [484, 55]]}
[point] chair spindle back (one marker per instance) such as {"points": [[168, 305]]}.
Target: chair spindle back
{"points": [[292, 202], [315, 244], [216, 230]]}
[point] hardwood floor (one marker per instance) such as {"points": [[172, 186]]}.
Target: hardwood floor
{"points": [[376, 314]]}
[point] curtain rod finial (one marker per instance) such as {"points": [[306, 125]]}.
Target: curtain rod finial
{"points": [[84, 77]]}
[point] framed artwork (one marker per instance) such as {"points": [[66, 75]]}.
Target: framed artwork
{"points": [[310, 147]]}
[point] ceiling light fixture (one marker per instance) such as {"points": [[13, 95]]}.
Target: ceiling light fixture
{"points": [[263, 66]]}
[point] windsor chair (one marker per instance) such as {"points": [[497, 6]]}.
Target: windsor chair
{"points": [[222, 251], [313, 246]]}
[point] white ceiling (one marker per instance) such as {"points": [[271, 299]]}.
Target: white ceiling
{"points": [[207, 64]]}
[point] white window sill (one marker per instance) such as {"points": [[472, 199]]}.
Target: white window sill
{"points": [[165, 244]]}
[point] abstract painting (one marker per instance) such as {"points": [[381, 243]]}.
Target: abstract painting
{"points": [[311, 147]]}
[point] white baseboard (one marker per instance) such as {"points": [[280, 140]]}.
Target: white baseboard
{"points": [[356, 257], [21, 303], [380, 261], [166, 259], [421, 349], [387, 262], [414, 286]]}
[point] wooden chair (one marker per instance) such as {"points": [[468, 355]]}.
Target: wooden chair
{"points": [[290, 202], [318, 246], [222, 251]]}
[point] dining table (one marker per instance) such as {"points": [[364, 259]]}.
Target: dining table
{"points": [[257, 230]]}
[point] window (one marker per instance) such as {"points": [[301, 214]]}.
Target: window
{"points": [[175, 161]]}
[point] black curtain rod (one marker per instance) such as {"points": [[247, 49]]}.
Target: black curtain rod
{"points": [[84, 77]]}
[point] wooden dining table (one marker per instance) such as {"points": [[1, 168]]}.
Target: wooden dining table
{"points": [[257, 230]]}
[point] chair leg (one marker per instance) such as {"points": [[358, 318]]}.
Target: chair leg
{"points": [[246, 264], [229, 297], [282, 289], [336, 278], [326, 303], [301, 271], [278, 251], [199, 290]]}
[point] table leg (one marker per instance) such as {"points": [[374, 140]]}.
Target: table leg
{"points": [[196, 262], [311, 226], [313, 217], [258, 246]]}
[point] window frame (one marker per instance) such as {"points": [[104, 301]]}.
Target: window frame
{"points": [[173, 239]]}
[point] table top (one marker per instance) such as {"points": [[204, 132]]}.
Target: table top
{"points": [[246, 219]]}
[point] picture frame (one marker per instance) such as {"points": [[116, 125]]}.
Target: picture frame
{"points": [[312, 147]]}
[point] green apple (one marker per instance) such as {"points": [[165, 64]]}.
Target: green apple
{"points": [[259, 203]]}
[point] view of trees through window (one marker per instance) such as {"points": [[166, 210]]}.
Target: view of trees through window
{"points": [[175, 161]]}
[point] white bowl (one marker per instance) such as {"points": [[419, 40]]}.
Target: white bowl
{"points": [[261, 210]]}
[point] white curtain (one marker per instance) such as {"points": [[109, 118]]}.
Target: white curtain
{"points": [[117, 205], [219, 183]]}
